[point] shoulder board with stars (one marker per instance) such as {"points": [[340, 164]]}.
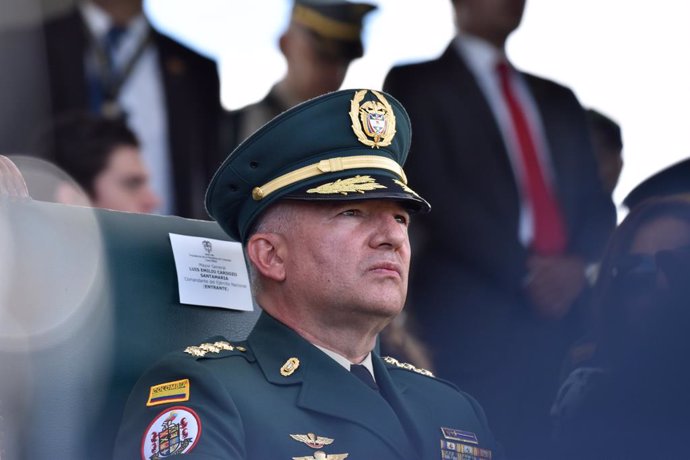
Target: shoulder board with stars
{"points": [[407, 366], [215, 349]]}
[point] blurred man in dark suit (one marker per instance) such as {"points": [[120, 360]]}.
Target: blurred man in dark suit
{"points": [[506, 158], [103, 55]]}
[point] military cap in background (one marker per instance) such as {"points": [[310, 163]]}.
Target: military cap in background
{"points": [[335, 26], [345, 145], [673, 180]]}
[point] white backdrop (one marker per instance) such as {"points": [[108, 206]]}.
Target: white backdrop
{"points": [[625, 58]]}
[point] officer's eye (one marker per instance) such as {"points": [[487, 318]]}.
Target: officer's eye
{"points": [[403, 219], [350, 212]]}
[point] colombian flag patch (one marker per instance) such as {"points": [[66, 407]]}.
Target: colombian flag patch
{"points": [[169, 392]]}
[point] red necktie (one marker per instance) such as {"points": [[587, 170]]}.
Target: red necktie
{"points": [[549, 230]]}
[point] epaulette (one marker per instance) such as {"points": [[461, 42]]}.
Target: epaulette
{"points": [[407, 366], [201, 350]]}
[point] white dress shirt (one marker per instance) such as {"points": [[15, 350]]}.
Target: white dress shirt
{"points": [[481, 58], [142, 98]]}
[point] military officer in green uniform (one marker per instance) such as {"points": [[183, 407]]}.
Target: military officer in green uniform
{"points": [[320, 201]]}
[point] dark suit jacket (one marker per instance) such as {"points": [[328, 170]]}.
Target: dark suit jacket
{"points": [[192, 98], [248, 410], [470, 265]]}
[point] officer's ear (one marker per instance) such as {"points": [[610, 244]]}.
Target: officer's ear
{"points": [[284, 43], [267, 251]]}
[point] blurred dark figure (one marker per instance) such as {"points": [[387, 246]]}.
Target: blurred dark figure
{"points": [[608, 147], [630, 400], [672, 180], [519, 215], [322, 39], [102, 156], [24, 93], [104, 56]]}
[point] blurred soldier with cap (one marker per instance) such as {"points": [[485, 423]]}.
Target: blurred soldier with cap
{"points": [[324, 226], [321, 40]]}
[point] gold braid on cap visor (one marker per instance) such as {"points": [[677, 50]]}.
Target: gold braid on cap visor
{"points": [[328, 166]]}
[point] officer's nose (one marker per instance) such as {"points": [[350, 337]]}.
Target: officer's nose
{"points": [[390, 230]]}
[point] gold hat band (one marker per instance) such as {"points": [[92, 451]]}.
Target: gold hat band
{"points": [[324, 26], [328, 166]]}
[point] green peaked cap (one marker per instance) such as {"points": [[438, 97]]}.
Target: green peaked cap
{"points": [[345, 145]]}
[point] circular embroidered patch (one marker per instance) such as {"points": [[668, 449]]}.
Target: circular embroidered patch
{"points": [[174, 431]]}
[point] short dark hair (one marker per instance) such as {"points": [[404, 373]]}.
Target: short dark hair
{"points": [[81, 143]]}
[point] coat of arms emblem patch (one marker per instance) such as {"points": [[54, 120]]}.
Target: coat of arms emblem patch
{"points": [[174, 431]]}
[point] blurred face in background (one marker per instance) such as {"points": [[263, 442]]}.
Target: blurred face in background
{"points": [[124, 183], [492, 20], [665, 233], [648, 281], [310, 72], [610, 163]]}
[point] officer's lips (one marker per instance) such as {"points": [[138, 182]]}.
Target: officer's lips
{"points": [[387, 268]]}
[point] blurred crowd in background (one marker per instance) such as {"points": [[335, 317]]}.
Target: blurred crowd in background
{"points": [[569, 330]]}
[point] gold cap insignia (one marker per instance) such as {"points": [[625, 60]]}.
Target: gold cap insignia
{"points": [[357, 184], [312, 440], [289, 367], [373, 121]]}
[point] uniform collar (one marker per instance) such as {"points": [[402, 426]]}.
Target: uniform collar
{"points": [[326, 387], [346, 363]]}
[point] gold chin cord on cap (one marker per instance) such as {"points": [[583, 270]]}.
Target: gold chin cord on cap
{"points": [[328, 166]]}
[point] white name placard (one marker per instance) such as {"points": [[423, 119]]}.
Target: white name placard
{"points": [[211, 273]]}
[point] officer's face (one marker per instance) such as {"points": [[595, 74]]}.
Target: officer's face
{"points": [[312, 73], [350, 258]]}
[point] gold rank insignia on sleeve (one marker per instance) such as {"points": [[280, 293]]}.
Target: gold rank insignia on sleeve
{"points": [[409, 367], [357, 184], [201, 350]]}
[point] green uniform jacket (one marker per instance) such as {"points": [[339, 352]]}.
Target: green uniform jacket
{"points": [[238, 405]]}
